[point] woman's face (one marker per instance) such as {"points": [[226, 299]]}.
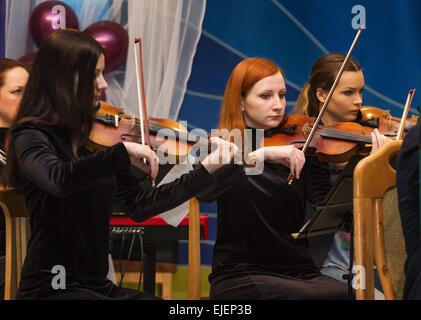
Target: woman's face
{"points": [[11, 94], [100, 83], [264, 103], [346, 100]]}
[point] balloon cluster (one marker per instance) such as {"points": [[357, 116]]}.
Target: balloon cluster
{"points": [[50, 16]]}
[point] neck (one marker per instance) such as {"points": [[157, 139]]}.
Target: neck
{"points": [[4, 123], [328, 120]]}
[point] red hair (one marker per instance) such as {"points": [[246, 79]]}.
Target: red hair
{"points": [[242, 79]]}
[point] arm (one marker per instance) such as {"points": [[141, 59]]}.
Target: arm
{"points": [[39, 162], [142, 204], [317, 181], [223, 178]]}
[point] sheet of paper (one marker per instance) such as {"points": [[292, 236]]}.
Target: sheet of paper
{"points": [[174, 216]]}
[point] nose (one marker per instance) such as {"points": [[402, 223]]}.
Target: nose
{"points": [[102, 83], [359, 99], [278, 103]]}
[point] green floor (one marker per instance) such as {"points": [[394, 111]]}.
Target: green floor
{"points": [[179, 290]]}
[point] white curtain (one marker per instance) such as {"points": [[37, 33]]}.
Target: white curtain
{"points": [[17, 22], [169, 29]]}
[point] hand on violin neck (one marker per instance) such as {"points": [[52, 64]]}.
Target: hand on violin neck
{"points": [[378, 140], [288, 156], [222, 155], [137, 153]]}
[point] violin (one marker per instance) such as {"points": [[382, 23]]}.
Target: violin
{"points": [[388, 125], [168, 137], [332, 143], [337, 143]]}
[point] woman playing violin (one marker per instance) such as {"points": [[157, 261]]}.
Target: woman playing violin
{"points": [[346, 100], [68, 189], [255, 256], [13, 77], [344, 106]]}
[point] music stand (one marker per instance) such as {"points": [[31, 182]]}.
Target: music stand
{"points": [[335, 213]]}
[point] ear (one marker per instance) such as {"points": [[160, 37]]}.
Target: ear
{"points": [[321, 95], [242, 105]]}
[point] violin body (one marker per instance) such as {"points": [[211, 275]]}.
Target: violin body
{"points": [[385, 122], [334, 143], [112, 126]]}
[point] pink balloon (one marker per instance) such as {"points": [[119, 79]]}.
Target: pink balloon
{"points": [[115, 41], [28, 58], [50, 16]]}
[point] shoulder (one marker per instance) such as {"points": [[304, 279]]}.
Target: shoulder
{"points": [[32, 132]]}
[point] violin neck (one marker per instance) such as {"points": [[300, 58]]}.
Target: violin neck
{"points": [[344, 135], [180, 136]]}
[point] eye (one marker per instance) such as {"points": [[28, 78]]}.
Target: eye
{"points": [[282, 95], [17, 91], [265, 96], [348, 92]]}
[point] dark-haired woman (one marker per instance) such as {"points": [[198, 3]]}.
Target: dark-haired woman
{"points": [[13, 77], [68, 189]]}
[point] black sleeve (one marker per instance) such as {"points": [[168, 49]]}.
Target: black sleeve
{"points": [[38, 161], [317, 182], [407, 182], [141, 204], [223, 179]]}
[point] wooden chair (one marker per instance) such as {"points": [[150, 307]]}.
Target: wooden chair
{"points": [[17, 235], [378, 233], [194, 278]]}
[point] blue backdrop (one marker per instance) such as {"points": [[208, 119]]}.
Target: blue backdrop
{"points": [[294, 34]]}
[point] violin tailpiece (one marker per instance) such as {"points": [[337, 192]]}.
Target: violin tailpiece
{"points": [[372, 123]]}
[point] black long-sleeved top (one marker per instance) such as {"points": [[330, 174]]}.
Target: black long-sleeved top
{"points": [[408, 184], [257, 215], [70, 201]]}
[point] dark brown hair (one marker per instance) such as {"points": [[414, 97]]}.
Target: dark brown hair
{"points": [[323, 74], [59, 91]]}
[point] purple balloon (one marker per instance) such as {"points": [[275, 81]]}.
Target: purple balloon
{"points": [[28, 58], [115, 41], [50, 16]]}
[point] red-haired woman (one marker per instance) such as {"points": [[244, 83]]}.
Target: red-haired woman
{"points": [[255, 256]]}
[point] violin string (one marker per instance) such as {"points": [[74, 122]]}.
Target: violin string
{"points": [[347, 135], [185, 136], [350, 136]]}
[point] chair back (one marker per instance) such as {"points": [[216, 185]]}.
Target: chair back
{"points": [[17, 236], [378, 233]]}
